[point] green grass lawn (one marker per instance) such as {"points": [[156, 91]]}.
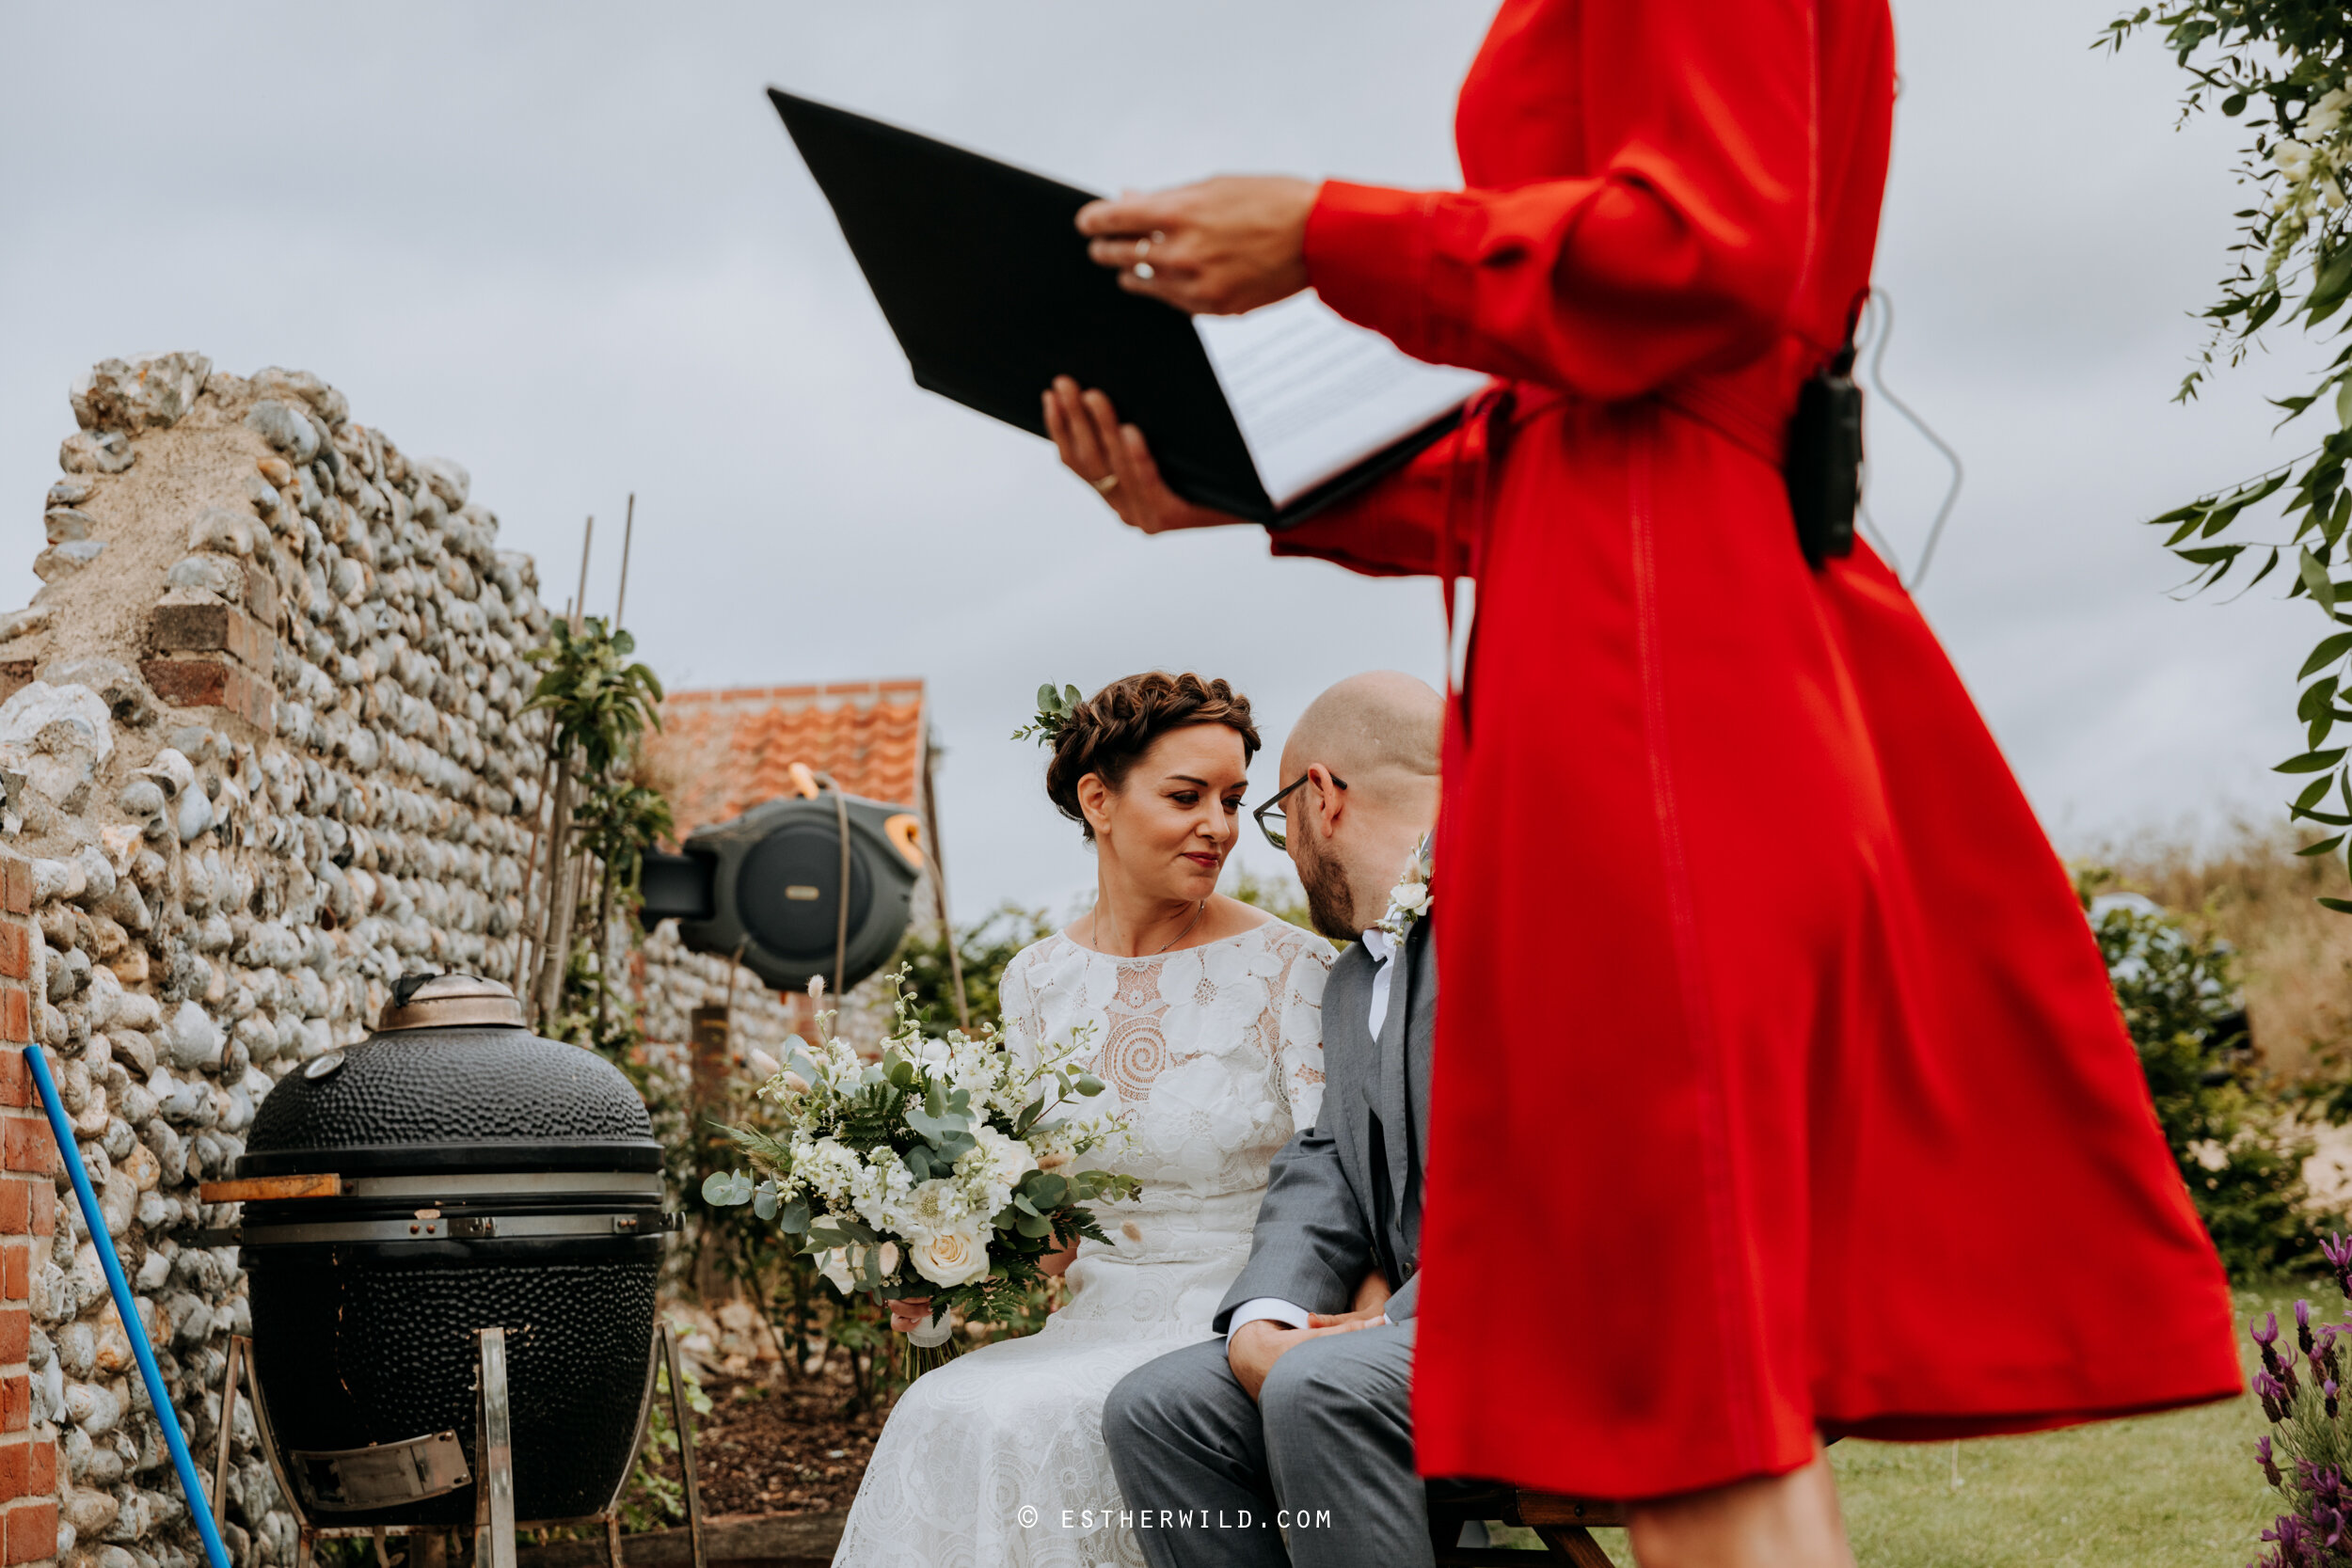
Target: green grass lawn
{"points": [[2178, 1490]]}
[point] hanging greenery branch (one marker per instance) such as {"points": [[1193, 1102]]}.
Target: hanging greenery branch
{"points": [[2284, 67]]}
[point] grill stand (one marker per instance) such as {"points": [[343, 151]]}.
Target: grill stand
{"points": [[494, 1496]]}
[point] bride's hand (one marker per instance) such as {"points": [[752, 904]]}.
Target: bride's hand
{"points": [[909, 1313], [1114, 458]]}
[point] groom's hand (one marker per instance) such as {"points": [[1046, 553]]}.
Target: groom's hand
{"points": [[1252, 1349]]}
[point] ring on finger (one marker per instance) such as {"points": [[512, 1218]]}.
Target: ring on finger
{"points": [[1143, 247], [1142, 270], [1105, 484]]}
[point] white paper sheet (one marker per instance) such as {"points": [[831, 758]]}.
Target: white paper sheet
{"points": [[1315, 395]]}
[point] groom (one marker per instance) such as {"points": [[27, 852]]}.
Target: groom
{"points": [[1299, 1419]]}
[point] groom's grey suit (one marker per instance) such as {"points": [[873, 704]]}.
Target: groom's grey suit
{"points": [[1325, 1454]]}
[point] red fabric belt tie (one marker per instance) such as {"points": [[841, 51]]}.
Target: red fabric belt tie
{"points": [[1486, 423]]}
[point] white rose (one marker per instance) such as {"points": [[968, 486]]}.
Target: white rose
{"points": [[1007, 1158], [834, 1265], [1410, 897], [951, 1256]]}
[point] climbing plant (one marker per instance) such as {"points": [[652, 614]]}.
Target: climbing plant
{"points": [[2283, 70]]}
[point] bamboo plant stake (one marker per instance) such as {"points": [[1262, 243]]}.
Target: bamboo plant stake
{"points": [[556, 937]]}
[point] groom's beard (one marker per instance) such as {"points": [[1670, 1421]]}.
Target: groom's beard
{"points": [[1329, 904]]}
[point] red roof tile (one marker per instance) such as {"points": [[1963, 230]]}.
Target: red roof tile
{"points": [[720, 752]]}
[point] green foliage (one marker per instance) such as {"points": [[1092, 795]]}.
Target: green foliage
{"points": [[985, 948], [618, 820], [2235, 1149], [2285, 67], [1054, 709], [599, 701]]}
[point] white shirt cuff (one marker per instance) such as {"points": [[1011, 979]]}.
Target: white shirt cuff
{"points": [[1289, 1314]]}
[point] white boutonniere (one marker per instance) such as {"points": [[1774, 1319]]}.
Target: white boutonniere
{"points": [[1409, 900]]}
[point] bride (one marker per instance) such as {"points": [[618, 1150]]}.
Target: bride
{"points": [[1207, 1016]]}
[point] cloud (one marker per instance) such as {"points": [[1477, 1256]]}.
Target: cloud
{"points": [[569, 245]]}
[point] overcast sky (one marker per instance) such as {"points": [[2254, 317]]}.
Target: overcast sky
{"points": [[569, 245]]}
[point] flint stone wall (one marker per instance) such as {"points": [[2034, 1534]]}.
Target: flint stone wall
{"points": [[264, 744]]}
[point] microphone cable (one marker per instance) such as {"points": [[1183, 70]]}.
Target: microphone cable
{"points": [[1878, 327]]}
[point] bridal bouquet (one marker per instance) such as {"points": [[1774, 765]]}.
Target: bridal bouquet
{"points": [[941, 1168]]}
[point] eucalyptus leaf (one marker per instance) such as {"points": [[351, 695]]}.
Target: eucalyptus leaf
{"points": [[726, 1189]]}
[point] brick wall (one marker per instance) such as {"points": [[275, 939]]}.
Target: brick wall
{"points": [[29, 1158]]}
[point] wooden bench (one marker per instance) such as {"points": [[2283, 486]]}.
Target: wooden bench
{"points": [[1560, 1522]]}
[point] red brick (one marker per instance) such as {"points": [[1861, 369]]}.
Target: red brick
{"points": [[16, 1079], [42, 1201], [40, 1466], [16, 1207], [16, 1470], [27, 1144], [16, 884], [16, 1015], [32, 1530], [16, 1276], [16, 1403], [211, 682], [214, 627]]}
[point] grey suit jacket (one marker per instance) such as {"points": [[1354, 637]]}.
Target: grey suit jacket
{"points": [[1345, 1196]]}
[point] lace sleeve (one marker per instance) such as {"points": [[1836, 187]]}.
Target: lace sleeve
{"points": [[1298, 1045], [1016, 1006]]}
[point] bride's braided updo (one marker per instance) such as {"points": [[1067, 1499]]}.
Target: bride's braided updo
{"points": [[1106, 733]]}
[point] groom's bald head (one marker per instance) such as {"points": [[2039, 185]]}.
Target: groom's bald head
{"points": [[1377, 723], [1375, 737]]}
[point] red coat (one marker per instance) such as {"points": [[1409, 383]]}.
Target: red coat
{"points": [[1778, 1082]]}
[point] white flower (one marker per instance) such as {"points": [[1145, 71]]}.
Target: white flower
{"points": [[835, 1265], [956, 1255], [1007, 1159], [934, 1205], [889, 1259], [1410, 897]]}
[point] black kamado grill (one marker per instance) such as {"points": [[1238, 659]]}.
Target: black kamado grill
{"points": [[452, 1210]]}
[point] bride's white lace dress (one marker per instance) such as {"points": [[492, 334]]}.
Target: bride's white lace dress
{"points": [[1218, 1051]]}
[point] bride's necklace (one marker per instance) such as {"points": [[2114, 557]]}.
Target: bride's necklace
{"points": [[1094, 931]]}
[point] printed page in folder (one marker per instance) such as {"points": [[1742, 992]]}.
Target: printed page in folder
{"points": [[1316, 394]]}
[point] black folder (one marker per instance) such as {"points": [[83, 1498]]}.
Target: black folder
{"points": [[986, 282]]}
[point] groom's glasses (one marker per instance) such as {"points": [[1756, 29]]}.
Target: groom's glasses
{"points": [[1267, 816]]}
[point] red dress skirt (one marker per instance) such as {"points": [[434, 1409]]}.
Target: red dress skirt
{"points": [[1779, 1088]]}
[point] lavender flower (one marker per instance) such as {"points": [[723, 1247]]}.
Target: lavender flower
{"points": [[2267, 1388], [2270, 1464], [2303, 1326], [2338, 1251]]}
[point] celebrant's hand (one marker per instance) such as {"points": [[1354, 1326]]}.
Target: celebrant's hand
{"points": [[1372, 1290], [1114, 459], [1055, 1265], [1252, 1349], [908, 1314], [1220, 247]]}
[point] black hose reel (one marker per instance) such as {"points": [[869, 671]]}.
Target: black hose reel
{"points": [[769, 881]]}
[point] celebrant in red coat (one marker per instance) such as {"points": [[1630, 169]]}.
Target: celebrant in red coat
{"points": [[1779, 1088]]}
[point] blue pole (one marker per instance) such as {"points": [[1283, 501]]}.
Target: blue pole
{"points": [[152, 1375]]}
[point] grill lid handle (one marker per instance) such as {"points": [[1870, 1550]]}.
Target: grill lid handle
{"points": [[449, 1002]]}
